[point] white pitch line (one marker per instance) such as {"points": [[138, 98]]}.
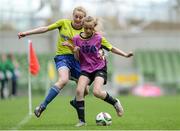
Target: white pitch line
{"points": [[24, 121]]}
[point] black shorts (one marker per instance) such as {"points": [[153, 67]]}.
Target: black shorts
{"points": [[102, 73]]}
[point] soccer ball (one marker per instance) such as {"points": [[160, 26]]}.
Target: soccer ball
{"points": [[103, 119]]}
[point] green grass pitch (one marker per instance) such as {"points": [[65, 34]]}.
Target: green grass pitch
{"points": [[140, 113]]}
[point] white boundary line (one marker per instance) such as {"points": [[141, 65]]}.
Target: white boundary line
{"points": [[24, 121]]}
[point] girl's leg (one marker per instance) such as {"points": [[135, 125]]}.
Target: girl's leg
{"points": [[73, 102], [54, 90], [99, 93], [82, 84], [81, 87], [97, 90]]}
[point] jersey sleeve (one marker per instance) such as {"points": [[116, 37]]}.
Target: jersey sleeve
{"points": [[105, 44], [56, 25]]}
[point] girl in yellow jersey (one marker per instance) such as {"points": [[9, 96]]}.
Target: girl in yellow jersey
{"points": [[68, 67]]}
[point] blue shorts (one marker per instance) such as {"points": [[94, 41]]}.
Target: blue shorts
{"points": [[71, 63]]}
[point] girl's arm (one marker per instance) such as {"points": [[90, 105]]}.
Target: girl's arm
{"points": [[33, 31], [76, 52], [120, 52], [101, 54], [75, 49], [66, 43]]}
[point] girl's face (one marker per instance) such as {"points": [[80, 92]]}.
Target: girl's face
{"points": [[77, 18], [88, 28]]}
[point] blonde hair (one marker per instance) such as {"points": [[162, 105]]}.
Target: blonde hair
{"points": [[81, 9], [97, 24]]}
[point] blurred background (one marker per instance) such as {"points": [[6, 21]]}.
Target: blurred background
{"points": [[149, 28]]}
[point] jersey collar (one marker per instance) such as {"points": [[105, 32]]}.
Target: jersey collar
{"points": [[74, 27]]}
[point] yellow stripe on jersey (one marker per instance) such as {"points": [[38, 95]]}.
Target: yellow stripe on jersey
{"points": [[105, 44], [66, 33]]}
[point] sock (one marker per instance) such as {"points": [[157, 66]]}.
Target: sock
{"points": [[109, 99], [53, 92], [73, 103], [80, 110]]}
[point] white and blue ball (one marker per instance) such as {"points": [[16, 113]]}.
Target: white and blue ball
{"points": [[103, 119]]}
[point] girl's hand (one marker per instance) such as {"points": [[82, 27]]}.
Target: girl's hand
{"points": [[101, 54], [129, 54], [76, 52], [71, 47], [66, 44], [21, 34], [76, 48]]}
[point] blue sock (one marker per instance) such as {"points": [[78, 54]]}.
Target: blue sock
{"points": [[53, 92]]}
